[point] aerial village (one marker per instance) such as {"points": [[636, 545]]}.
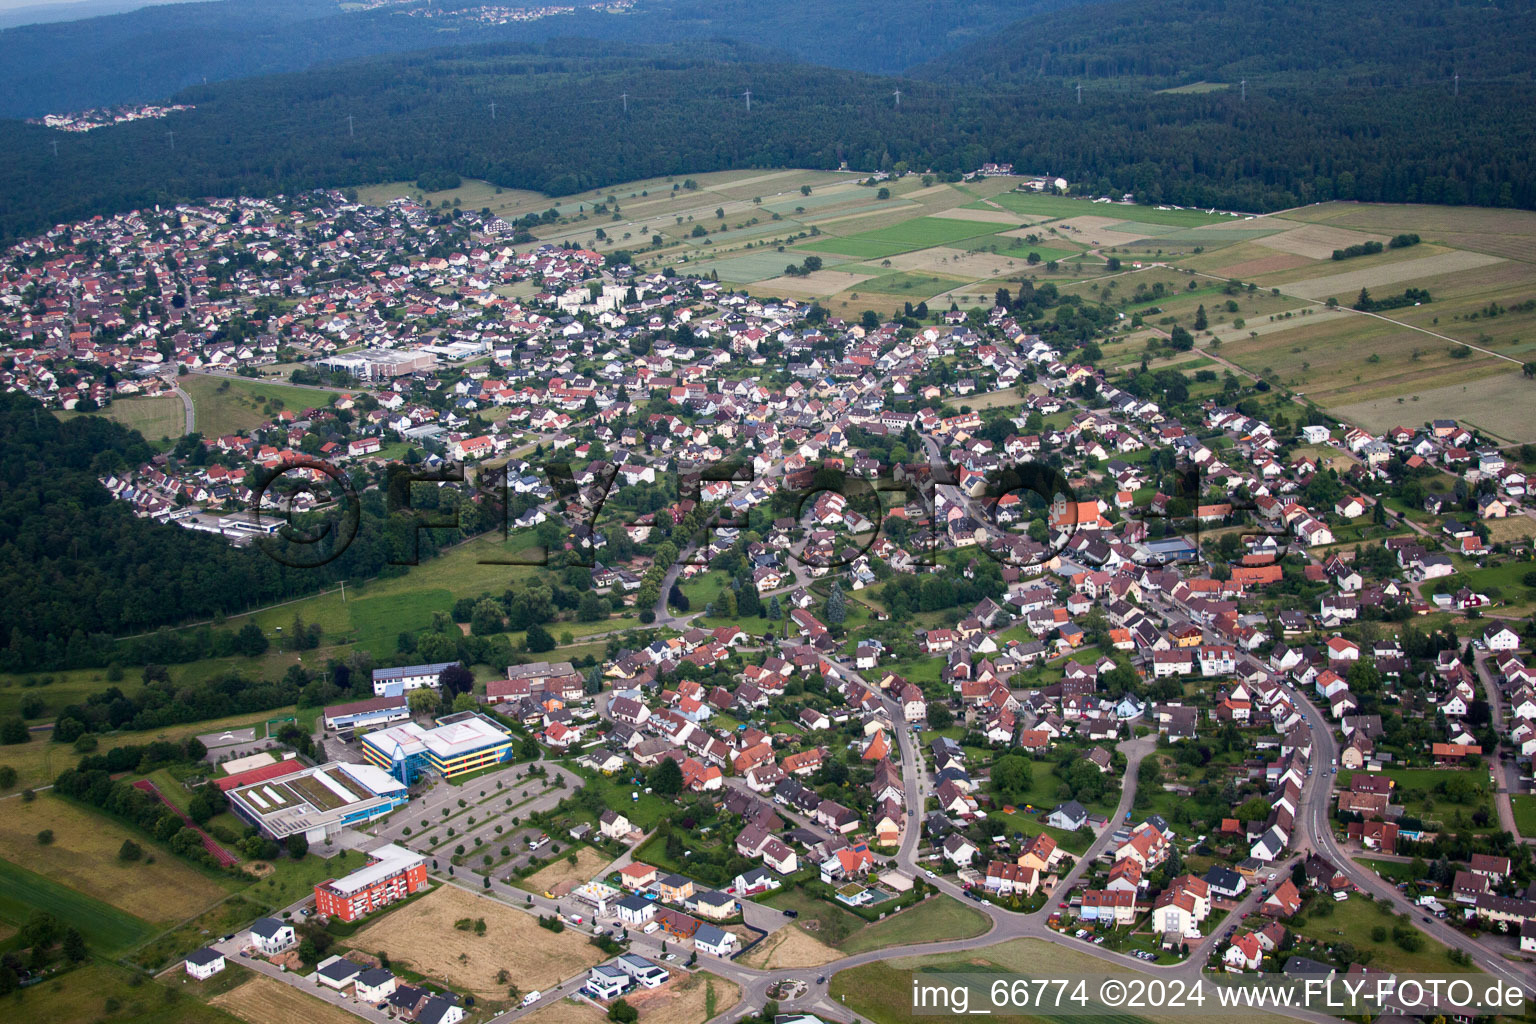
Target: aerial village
{"points": [[1233, 670]]}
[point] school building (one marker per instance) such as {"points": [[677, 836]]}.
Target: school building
{"points": [[460, 744]]}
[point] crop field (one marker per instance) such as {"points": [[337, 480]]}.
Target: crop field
{"points": [[263, 1000], [1499, 404], [107, 929], [1318, 241], [1350, 359], [1346, 284], [813, 285], [222, 405], [83, 857], [422, 935], [160, 419]]}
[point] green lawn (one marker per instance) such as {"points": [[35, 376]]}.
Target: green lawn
{"points": [[833, 924], [224, 406], [1353, 920], [934, 920], [1415, 789], [107, 930], [293, 879], [882, 991], [1525, 813], [105, 992]]}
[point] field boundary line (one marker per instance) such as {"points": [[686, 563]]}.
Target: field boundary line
{"points": [[1378, 316]]}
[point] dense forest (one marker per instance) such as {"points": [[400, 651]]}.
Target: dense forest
{"points": [[149, 54], [560, 129], [77, 566], [1321, 44]]}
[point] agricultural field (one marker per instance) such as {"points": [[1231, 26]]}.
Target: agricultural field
{"points": [[263, 1000], [107, 930], [224, 405], [422, 935], [83, 857], [161, 419]]}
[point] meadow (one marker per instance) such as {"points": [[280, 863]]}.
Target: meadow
{"points": [[83, 856], [225, 405], [107, 930], [103, 992], [161, 419]]}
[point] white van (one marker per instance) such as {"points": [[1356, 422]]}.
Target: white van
{"points": [[532, 997]]}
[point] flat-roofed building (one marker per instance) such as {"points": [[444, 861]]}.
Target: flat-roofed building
{"points": [[393, 874], [317, 802], [460, 744]]}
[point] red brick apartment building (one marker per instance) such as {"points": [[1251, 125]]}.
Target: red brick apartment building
{"points": [[393, 874]]}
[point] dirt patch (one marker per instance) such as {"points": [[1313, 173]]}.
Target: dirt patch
{"points": [[569, 1011], [259, 869], [816, 283], [1317, 241], [684, 1000], [1263, 265], [264, 1000], [422, 935], [790, 947], [959, 263], [589, 864], [1349, 283]]}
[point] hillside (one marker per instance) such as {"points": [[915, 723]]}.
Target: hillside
{"points": [[560, 128], [1324, 44], [148, 54]]}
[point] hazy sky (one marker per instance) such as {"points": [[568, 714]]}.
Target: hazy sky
{"points": [[88, 7]]}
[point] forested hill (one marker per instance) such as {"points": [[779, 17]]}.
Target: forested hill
{"points": [[147, 55], [1325, 44], [560, 129], [76, 566]]}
